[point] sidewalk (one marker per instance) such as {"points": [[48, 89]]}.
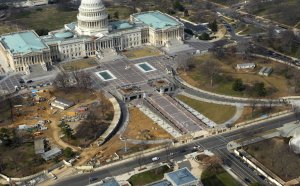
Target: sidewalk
{"points": [[60, 173], [237, 115], [192, 92]]}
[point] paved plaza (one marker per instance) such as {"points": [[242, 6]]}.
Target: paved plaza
{"points": [[126, 72]]}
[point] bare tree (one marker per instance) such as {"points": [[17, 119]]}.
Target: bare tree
{"points": [[270, 105], [85, 80], [187, 64], [287, 39], [219, 52], [61, 80], [212, 163], [76, 75], [253, 105], [244, 48], [295, 81], [211, 69]]}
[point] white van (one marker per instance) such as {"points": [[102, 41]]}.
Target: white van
{"points": [[155, 158]]}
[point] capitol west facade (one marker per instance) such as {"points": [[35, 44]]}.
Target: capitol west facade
{"points": [[91, 35]]}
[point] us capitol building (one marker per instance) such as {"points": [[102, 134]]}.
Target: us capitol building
{"points": [[91, 35]]}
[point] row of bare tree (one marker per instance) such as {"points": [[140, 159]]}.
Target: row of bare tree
{"points": [[74, 79]]}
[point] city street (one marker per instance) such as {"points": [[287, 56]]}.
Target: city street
{"points": [[217, 144]]}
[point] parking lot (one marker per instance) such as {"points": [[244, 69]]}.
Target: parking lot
{"points": [[200, 45], [8, 83]]}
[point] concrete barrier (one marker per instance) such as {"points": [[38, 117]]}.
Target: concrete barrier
{"points": [[67, 163], [5, 177], [28, 177], [115, 121], [85, 167]]}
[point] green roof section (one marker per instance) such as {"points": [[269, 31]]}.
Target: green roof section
{"points": [[120, 25], [156, 19], [23, 42]]}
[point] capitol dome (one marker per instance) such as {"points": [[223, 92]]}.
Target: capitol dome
{"points": [[92, 18]]}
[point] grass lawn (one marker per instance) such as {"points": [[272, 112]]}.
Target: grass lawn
{"points": [[5, 28], [149, 176], [251, 29], [141, 127], [123, 11], [220, 178], [276, 155], [217, 113], [50, 18], [141, 52], [276, 84], [206, 16], [229, 20], [79, 64], [75, 95], [286, 12], [239, 26]]}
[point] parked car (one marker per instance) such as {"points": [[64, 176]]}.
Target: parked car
{"points": [[155, 158], [93, 179], [247, 180]]}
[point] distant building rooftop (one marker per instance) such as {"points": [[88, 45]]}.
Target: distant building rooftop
{"points": [[129, 89], [64, 35], [120, 25], [160, 83], [156, 19], [71, 26], [64, 101], [23, 42], [39, 146], [181, 177], [51, 153], [245, 65]]}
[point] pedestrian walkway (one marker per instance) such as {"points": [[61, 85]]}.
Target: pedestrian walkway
{"points": [[182, 119]]}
